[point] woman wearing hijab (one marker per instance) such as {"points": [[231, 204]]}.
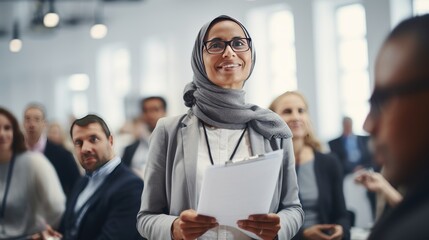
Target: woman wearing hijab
{"points": [[31, 197], [218, 126], [320, 176]]}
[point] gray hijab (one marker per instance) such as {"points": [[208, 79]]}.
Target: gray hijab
{"points": [[226, 108]]}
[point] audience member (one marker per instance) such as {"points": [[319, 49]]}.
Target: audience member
{"points": [[57, 135], [398, 123], [104, 203], [32, 199], [354, 154], [36, 139], [319, 175], [351, 149], [151, 110], [217, 122]]}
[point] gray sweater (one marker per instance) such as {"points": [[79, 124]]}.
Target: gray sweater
{"points": [[35, 196]]}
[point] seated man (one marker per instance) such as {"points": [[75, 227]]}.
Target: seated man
{"points": [[36, 140], [351, 149], [135, 154], [104, 203]]}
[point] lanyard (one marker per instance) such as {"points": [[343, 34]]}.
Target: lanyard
{"points": [[6, 191], [208, 144]]}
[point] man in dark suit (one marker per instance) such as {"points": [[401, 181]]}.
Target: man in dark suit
{"points": [[135, 154], [105, 202], [62, 160], [351, 149], [399, 124]]}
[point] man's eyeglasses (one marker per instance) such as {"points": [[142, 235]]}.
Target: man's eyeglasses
{"points": [[381, 96], [219, 46]]}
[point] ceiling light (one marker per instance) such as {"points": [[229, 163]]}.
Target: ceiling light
{"points": [[98, 31], [15, 44], [51, 19]]}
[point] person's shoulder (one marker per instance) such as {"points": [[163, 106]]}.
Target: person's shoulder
{"points": [[124, 179], [126, 174], [35, 160], [132, 145], [171, 124], [332, 141], [364, 137], [174, 120], [31, 156], [57, 149], [329, 163], [327, 158]]}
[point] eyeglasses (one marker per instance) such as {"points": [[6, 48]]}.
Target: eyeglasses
{"points": [[381, 96], [219, 46]]}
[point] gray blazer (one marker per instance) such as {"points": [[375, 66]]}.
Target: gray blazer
{"points": [[171, 172]]}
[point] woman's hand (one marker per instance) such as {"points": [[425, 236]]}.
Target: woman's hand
{"points": [[190, 225], [265, 226], [48, 234], [375, 182], [323, 232], [372, 181], [337, 233]]}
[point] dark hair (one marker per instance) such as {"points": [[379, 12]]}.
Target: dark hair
{"points": [[18, 142], [159, 98], [38, 106], [347, 119], [418, 28], [88, 119]]}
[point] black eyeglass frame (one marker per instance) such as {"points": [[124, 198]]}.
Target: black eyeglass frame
{"points": [[380, 96], [228, 43]]}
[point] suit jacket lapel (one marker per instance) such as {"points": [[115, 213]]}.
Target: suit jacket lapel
{"points": [[69, 216], [81, 185], [190, 137], [97, 194]]}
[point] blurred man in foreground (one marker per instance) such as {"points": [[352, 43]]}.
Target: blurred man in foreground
{"points": [[399, 124]]}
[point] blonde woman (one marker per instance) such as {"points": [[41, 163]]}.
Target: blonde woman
{"points": [[319, 175]]}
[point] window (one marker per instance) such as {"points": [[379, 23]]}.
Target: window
{"points": [[273, 35], [78, 84], [282, 52], [154, 71], [79, 104], [113, 83], [353, 63], [420, 7]]}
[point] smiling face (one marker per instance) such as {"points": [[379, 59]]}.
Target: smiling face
{"points": [[228, 69], [293, 110], [6, 134], [93, 148], [401, 129]]}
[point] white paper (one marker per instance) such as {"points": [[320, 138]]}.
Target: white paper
{"points": [[234, 191]]}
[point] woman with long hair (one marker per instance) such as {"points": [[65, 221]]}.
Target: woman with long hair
{"points": [[31, 196], [320, 177]]}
